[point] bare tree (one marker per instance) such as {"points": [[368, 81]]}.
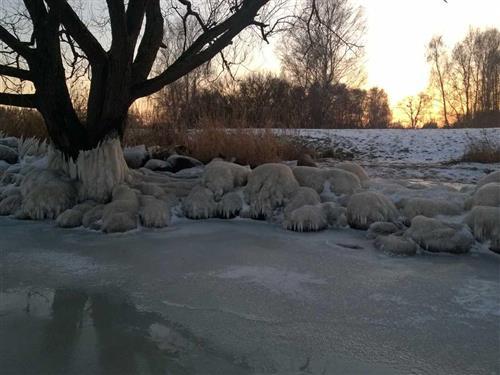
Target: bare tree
{"points": [[437, 56], [324, 45], [378, 112], [43, 43], [414, 107]]}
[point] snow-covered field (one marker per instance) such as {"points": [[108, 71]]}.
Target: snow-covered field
{"points": [[410, 154], [239, 297]]}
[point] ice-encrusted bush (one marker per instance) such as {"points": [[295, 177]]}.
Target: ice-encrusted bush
{"points": [[437, 236], [31, 146], [368, 207], [230, 205], [200, 204], [306, 219], [121, 214], [10, 205], [335, 215], [46, 194], [153, 213], [269, 186], [311, 177], [381, 228], [485, 224], [222, 177], [302, 197]]}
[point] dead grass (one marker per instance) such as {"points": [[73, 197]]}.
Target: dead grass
{"points": [[211, 139], [19, 123], [482, 149]]}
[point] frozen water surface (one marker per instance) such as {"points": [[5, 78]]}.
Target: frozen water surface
{"points": [[239, 297]]}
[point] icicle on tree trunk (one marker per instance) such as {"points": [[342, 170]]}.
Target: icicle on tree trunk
{"points": [[57, 42]]}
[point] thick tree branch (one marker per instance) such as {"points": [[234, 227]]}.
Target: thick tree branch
{"points": [[18, 100], [14, 43], [150, 43], [135, 17], [77, 29], [204, 48], [10, 71]]}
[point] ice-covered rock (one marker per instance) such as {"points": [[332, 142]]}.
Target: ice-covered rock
{"points": [[120, 215], [430, 208], [10, 205], [335, 215], [367, 208], [354, 168], [306, 219], [72, 217], [148, 188], [381, 228], [92, 218], [269, 186], [8, 154], [491, 177], [154, 213], [156, 165], [135, 156], [485, 224], [437, 236], [222, 177], [176, 163], [310, 177], [486, 195], [302, 197], [46, 194], [338, 181], [395, 245], [200, 204], [230, 205]]}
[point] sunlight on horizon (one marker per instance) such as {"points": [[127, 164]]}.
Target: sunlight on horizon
{"points": [[397, 36]]}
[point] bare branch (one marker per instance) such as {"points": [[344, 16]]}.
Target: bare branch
{"points": [[18, 100], [10, 71]]}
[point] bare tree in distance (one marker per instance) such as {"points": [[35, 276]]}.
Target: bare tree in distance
{"points": [[437, 56], [324, 44], [414, 107]]}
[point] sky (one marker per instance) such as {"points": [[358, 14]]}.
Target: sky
{"points": [[398, 32]]}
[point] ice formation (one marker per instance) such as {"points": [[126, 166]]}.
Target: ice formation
{"points": [[222, 177], [269, 187], [367, 208], [230, 205], [200, 204], [485, 224], [395, 245], [354, 168], [310, 177], [154, 213], [491, 177], [99, 170], [302, 197], [486, 195], [437, 236], [341, 181], [306, 219], [379, 228], [430, 208], [72, 217], [335, 215], [10, 204], [46, 194], [120, 215], [92, 218]]}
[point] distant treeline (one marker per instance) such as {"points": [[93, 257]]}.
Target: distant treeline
{"points": [[265, 100]]}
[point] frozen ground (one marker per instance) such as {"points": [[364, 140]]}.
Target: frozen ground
{"points": [[407, 154], [230, 297]]}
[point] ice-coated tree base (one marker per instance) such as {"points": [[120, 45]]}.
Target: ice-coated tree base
{"points": [[98, 170]]}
